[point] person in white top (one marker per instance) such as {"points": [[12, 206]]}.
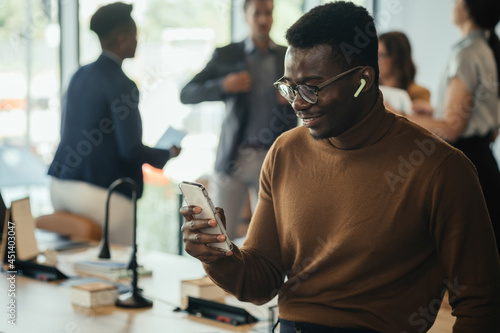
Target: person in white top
{"points": [[467, 114]]}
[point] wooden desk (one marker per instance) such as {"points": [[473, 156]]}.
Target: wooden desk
{"points": [[46, 307]]}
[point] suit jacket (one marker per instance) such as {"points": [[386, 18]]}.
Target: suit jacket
{"points": [[101, 129], [207, 86]]}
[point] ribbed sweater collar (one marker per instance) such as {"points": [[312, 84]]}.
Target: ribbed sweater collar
{"points": [[368, 131]]}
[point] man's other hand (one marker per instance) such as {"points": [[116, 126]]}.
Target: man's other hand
{"points": [[239, 82]]}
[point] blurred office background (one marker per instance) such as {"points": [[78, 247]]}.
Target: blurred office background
{"points": [[42, 43]]}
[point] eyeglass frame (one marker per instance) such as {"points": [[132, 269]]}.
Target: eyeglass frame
{"points": [[315, 89]]}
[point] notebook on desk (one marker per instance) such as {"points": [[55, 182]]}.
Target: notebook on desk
{"points": [[171, 137], [79, 280], [50, 240]]}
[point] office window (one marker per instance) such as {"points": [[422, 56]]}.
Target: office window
{"points": [[29, 97], [286, 12]]}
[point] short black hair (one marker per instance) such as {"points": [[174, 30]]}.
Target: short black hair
{"points": [[347, 28], [109, 17]]}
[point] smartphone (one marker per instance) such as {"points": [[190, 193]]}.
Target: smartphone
{"points": [[195, 194]]}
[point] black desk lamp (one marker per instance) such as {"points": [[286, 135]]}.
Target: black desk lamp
{"points": [[132, 299]]}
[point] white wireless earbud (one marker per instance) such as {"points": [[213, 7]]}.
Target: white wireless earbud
{"points": [[361, 86]]}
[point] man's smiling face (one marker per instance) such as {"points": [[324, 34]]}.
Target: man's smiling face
{"points": [[334, 113]]}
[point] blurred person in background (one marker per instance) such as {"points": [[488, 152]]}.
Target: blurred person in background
{"points": [[242, 75], [468, 110], [396, 65], [101, 131]]}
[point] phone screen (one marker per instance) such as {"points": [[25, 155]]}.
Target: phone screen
{"points": [[195, 194]]}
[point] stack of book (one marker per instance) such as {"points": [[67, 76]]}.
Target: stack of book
{"points": [[200, 288], [108, 269], [92, 295]]}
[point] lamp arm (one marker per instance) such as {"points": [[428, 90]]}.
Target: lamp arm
{"points": [[104, 252]]}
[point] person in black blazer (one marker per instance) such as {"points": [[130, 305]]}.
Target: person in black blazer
{"points": [[242, 75], [101, 130]]}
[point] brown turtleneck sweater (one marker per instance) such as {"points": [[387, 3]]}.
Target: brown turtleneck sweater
{"points": [[369, 228]]}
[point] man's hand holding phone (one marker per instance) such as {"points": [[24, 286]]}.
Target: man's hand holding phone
{"points": [[195, 241]]}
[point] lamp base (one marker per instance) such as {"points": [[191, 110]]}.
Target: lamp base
{"points": [[133, 300]]}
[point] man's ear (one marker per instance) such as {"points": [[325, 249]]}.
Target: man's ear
{"points": [[366, 80], [368, 75]]}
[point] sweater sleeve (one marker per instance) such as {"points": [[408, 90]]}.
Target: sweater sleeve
{"points": [[465, 245], [255, 272]]}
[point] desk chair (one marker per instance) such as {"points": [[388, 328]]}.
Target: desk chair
{"points": [[68, 224]]}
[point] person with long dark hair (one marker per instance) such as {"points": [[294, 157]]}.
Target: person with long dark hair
{"points": [[396, 65], [468, 112]]}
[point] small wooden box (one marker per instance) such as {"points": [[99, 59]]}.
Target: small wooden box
{"points": [[92, 295], [200, 288]]}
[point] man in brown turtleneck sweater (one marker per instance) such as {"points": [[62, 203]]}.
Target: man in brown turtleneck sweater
{"points": [[364, 219]]}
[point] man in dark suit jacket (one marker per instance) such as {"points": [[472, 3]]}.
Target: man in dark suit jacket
{"points": [[101, 129], [242, 75]]}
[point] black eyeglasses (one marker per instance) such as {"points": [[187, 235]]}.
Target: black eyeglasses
{"points": [[308, 93]]}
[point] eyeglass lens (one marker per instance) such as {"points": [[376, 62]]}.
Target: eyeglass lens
{"points": [[305, 92]]}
